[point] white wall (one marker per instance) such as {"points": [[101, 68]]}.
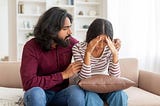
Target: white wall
{"points": [[12, 30], [3, 28]]}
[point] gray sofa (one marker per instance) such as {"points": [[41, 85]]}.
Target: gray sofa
{"points": [[145, 93]]}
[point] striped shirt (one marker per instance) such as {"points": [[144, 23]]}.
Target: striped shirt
{"points": [[100, 65]]}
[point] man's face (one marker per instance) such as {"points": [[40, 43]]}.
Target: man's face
{"points": [[65, 32]]}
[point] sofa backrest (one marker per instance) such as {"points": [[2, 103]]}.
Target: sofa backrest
{"points": [[129, 69], [10, 74]]}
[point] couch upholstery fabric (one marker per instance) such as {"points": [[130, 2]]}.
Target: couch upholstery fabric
{"points": [[145, 93]]}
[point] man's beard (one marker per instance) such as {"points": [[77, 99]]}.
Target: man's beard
{"points": [[62, 42]]}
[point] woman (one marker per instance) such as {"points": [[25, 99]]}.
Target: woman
{"points": [[99, 56]]}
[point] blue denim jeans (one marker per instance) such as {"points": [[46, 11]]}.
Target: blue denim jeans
{"points": [[117, 98], [70, 96]]}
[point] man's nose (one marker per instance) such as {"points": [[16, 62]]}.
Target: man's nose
{"points": [[69, 31]]}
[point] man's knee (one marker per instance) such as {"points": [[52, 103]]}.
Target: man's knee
{"points": [[76, 95], [75, 90], [35, 94]]}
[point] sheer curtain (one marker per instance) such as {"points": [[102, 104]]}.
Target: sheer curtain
{"points": [[137, 24]]}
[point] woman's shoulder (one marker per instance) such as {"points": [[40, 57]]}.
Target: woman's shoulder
{"points": [[80, 45]]}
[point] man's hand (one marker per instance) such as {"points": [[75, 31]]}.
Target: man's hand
{"points": [[117, 43], [72, 69]]}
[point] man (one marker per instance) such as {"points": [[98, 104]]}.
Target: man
{"points": [[46, 67]]}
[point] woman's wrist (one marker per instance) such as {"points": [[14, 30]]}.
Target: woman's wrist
{"points": [[87, 53], [115, 58], [87, 58]]}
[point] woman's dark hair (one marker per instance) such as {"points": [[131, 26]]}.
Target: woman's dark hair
{"points": [[48, 26], [98, 27]]}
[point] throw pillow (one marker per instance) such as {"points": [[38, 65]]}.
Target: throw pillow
{"points": [[105, 83]]}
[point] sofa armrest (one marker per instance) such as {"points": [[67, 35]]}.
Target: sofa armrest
{"points": [[149, 81], [10, 74]]}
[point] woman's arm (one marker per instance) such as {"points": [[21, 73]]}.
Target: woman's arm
{"points": [[78, 55], [114, 68]]}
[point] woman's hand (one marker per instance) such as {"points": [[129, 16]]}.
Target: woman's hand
{"points": [[92, 44], [117, 43], [90, 47], [113, 49], [111, 46]]}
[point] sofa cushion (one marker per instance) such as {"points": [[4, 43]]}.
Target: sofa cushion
{"points": [[105, 83], [11, 96], [129, 69], [139, 97]]}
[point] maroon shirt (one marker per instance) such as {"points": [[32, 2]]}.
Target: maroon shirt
{"points": [[43, 69]]}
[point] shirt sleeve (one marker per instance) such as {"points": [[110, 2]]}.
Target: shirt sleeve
{"points": [[114, 68], [28, 71], [77, 55]]}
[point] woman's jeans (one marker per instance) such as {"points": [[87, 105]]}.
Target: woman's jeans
{"points": [[70, 96], [117, 98]]}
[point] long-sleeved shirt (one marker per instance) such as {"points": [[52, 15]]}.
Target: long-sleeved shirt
{"points": [[100, 65], [43, 69]]}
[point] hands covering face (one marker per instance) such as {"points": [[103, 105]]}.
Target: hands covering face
{"points": [[93, 43], [111, 46], [114, 46]]}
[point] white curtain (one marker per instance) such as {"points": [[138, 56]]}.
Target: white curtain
{"points": [[3, 28], [137, 24]]}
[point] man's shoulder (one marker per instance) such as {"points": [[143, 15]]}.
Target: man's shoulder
{"points": [[31, 43], [73, 41]]}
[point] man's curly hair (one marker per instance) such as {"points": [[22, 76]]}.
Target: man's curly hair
{"points": [[48, 26]]}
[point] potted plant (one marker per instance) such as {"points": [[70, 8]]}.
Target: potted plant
{"points": [[29, 35]]}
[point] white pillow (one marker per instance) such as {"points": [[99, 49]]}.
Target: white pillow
{"points": [[11, 96]]}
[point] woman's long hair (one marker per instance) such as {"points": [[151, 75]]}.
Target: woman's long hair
{"points": [[48, 26], [99, 26]]}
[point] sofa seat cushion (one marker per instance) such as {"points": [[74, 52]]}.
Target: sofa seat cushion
{"points": [[11, 96], [140, 97]]}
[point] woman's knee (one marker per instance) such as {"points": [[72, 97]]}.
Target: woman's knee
{"points": [[121, 94], [93, 99], [117, 98]]}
